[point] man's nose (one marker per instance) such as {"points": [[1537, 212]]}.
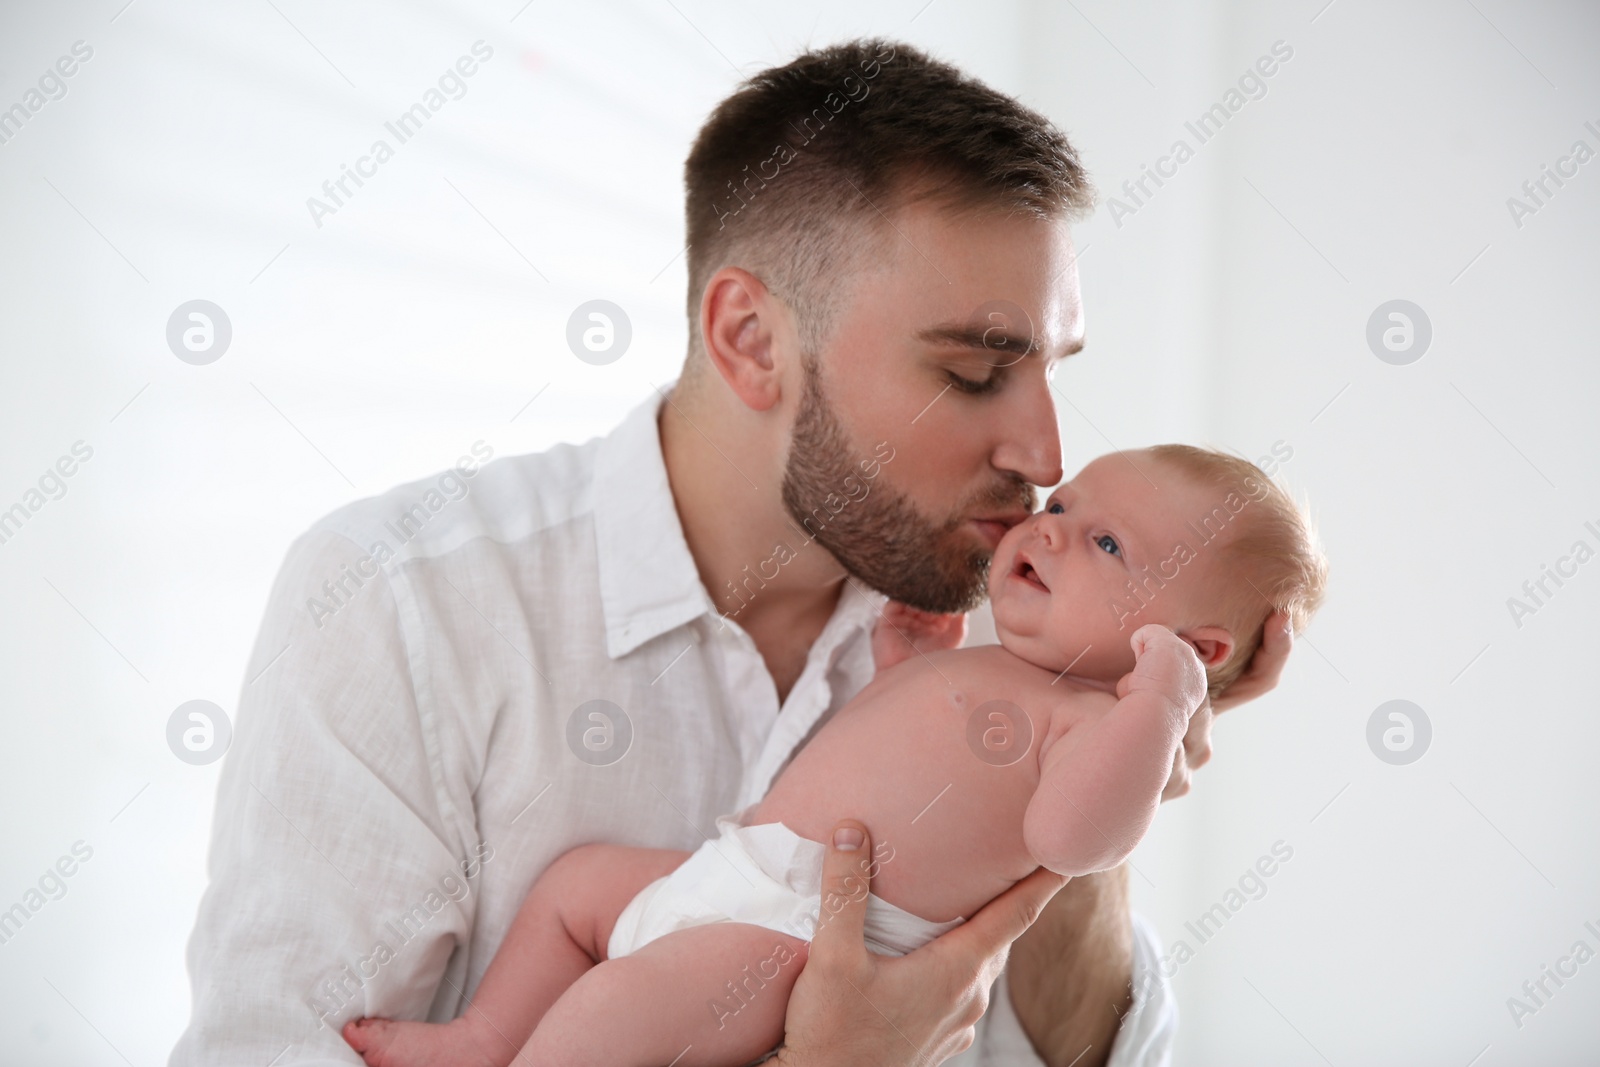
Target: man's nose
{"points": [[1030, 444]]}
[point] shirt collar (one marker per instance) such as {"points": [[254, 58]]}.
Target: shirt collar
{"points": [[649, 583]]}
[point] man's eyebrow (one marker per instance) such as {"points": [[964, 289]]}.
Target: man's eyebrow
{"points": [[995, 339]]}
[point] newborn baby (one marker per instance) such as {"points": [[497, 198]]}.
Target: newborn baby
{"points": [[1144, 580]]}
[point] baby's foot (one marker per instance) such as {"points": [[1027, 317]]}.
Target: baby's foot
{"points": [[387, 1043]]}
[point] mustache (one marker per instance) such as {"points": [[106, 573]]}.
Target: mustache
{"points": [[1010, 495]]}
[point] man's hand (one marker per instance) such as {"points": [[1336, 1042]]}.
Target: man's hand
{"points": [[1266, 667], [904, 631], [851, 1006]]}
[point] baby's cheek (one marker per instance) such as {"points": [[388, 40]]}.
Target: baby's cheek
{"points": [[1084, 618], [1065, 619]]}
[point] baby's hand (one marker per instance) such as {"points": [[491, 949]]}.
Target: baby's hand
{"points": [[1165, 664], [904, 631]]}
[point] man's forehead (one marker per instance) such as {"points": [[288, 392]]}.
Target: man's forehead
{"points": [[1013, 329], [968, 263]]}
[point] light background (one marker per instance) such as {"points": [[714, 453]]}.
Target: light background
{"points": [[1230, 308]]}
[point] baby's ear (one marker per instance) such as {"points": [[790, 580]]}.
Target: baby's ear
{"points": [[1213, 644]]}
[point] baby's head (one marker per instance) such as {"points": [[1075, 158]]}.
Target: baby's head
{"points": [[1197, 540]]}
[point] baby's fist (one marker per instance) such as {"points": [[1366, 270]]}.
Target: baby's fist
{"points": [[1165, 664], [905, 631]]}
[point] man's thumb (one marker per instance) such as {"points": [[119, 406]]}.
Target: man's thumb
{"points": [[846, 881]]}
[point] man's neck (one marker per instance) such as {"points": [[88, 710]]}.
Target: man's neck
{"points": [[759, 567]]}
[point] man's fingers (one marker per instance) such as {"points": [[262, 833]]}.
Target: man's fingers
{"points": [[1279, 635], [1195, 752], [846, 881], [1266, 666], [1006, 917], [1197, 738], [1178, 782]]}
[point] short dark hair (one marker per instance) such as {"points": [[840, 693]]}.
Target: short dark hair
{"points": [[791, 176]]}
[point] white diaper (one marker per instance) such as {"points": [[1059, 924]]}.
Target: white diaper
{"points": [[766, 875]]}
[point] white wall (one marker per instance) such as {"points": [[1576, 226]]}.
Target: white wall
{"points": [[1426, 894], [381, 345]]}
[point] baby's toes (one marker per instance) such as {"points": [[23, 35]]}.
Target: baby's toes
{"points": [[371, 1038]]}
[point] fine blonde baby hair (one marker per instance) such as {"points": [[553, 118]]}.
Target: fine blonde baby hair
{"points": [[1274, 550]]}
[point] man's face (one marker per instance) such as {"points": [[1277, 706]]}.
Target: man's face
{"points": [[942, 350]]}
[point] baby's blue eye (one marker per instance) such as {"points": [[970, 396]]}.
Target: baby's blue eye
{"points": [[1055, 508], [1106, 539]]}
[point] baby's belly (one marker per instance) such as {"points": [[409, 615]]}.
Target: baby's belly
{"points": [[900, 763]]}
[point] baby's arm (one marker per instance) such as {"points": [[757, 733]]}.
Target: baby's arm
{"points": [[1100, 779]]}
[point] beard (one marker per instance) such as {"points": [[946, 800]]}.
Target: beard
{"points": [[881, 538]]}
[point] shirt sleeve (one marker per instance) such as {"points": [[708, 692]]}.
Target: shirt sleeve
{"points": [[339, 875], [1144, 1040]]}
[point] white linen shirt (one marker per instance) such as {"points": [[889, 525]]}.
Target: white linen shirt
{"points": [[416, 742]]}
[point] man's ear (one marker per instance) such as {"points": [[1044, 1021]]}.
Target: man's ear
{"points": [[741, 322], [1213, 644]]}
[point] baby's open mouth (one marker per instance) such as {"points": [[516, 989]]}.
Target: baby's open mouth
{"points": [[1024, 570]]}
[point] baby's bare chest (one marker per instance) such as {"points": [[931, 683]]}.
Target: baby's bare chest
{"points": [[940, 762]]}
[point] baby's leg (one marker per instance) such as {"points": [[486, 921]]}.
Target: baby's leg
{"points": [[709, 996], [560, 932]]}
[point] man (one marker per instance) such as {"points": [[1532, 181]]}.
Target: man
{"points": [[460, 680]]}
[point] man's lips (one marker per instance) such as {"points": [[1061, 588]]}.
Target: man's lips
{"points": [[993, 527]]}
